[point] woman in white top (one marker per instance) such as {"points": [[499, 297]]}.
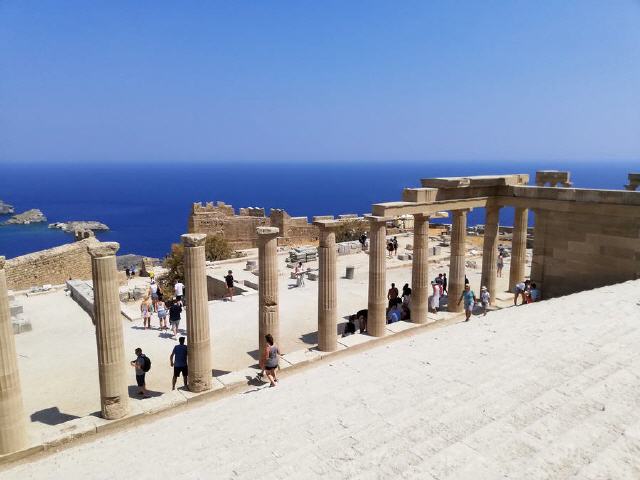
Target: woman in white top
{"points": [[435, 298]]}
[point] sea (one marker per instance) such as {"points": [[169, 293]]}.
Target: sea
{"points": [[146, 205]]}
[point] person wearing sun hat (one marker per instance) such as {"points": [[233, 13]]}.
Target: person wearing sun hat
{"points": [[485, 299]]}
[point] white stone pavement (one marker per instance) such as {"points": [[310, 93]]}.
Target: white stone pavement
{"points": [[543, 391]]}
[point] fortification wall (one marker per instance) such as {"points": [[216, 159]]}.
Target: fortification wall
{"points": [[52, 266]]}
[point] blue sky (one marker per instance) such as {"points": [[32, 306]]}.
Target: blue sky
{"points": [[308, 81]]}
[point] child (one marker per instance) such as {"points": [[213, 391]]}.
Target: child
{"points": [[485, 299]]}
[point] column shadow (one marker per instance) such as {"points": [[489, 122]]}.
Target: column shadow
{"points": [[310, 338], [219, 373], [133, 392], [51, 416]]}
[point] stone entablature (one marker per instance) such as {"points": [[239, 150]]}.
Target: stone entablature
{"points": [[583, 238], [52, 266], [553, 178], [239, 230]]}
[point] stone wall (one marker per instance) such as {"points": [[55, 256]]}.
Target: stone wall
{"points": [[576, 251], [53, 266], [240, 230]]}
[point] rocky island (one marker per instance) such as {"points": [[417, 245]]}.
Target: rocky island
{"points": [[30, 216], [71, 227], [5, 208]]}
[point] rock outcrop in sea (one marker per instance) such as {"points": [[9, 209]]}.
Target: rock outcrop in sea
{"points": [[25, 218], [71, 227], [5, 208]]}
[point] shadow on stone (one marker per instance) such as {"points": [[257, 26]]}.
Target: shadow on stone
{"points": [[133, 392], [255, 354], [310, 338], [219, 373], [51, 416]]}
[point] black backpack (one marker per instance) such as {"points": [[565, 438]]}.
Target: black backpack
{"points": [[146, 366]]}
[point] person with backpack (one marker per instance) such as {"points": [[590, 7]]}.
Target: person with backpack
{"points": [[142, 364]]}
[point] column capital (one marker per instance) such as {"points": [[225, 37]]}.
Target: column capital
{"points": [[3, 260], [103, 249], [328, 224], [194, 239], [425, 216], [460, 211], [268, 231]]}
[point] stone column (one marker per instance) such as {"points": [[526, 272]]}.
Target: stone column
{"points": [[455, 284], [377, 315], [420, 284], [490, 249], [268, 309], [539, 237], [518, 247], [13, 426], [112, 363], [197, 301], [327, 291]]}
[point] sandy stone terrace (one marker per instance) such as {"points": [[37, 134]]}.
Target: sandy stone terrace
{"points": [[544, 391]]}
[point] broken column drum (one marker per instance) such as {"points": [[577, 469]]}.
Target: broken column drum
{"points": [[197, 306]]}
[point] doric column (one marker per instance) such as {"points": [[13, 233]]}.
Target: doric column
{"points": [[198, 331], [518, 247], [377, 314], [455, 284], [538, 258], [268, 309], [490, 249], [112, 364], [13, 426], [420, 284], [327, 289]]}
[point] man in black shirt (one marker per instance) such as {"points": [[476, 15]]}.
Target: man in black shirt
{"points": [[174, 316]]}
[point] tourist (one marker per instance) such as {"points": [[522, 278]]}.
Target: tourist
{"points": [[178, 360], [269, 360], [390, 248], [392, 294], [363, 241], [152, 275], [500, 265], [520, 290], [142, 364], [395, 246], [178, 289], [133, 271], [362, 316], [466, 280], [127, 272], [444, 284], [435, 297], [162, 315], [485, 299], [145, 311], [174, 316], [153, 292], [394, 314], [299, 272], [469, 298], [405, 312], [350, 326], [229, 280], [406, 295], [534, 293]]}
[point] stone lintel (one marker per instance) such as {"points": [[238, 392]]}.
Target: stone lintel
{"points": [[327, 223], [268, 231], [378, 219], [476, 181], [194, 239], [3, 260], [419, 195], [103, 249]]}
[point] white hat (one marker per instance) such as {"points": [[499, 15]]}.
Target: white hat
{"points": [[483, 288]]}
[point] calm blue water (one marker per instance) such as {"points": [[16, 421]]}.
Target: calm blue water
{"points": [[147, 206]]}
